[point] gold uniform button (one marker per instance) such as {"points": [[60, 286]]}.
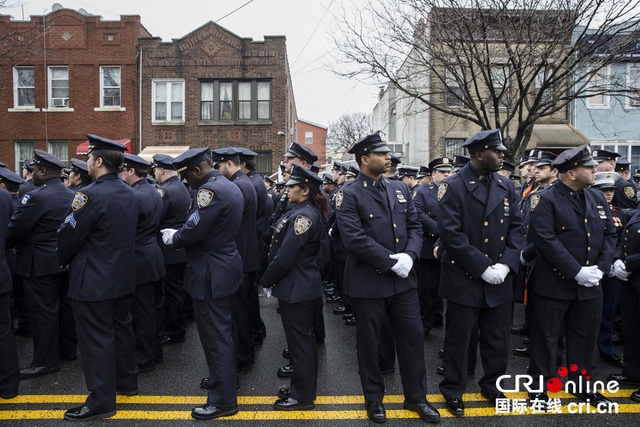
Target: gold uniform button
{"points": [[397, 240], [588, 234], [501, 221], [555, 269], [453, 262], [589, 248], [586, 220], [587, 262], [370, 215], [563, 227], [626, 231], [394, 226], [486, 223], [486, 240], [502, 238]]}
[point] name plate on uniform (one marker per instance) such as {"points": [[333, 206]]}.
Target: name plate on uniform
{"points": [[506, 207], [400, 197], [601, 212]]}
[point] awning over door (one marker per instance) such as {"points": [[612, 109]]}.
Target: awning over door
{"points": [[559, 136], [83, 148], [174, 151]]}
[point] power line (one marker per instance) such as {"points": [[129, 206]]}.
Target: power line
{"points": [[312, 34], [234, 11]]}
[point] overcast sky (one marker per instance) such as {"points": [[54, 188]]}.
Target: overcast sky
{"points": [[320, 96]]}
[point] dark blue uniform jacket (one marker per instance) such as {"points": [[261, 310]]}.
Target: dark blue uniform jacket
{"points": [[426, 202], [175, 207], [148, 256]]}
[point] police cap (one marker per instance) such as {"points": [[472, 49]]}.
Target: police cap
{"points": [[27, 165], [224, 154], [246, 154], [373, 143], [46, 160], [353, 171], [606, 180], [191, 158], [441, 164], [336, 166], [343, 169], [163, 161], [424, 171], [485, 140], [546, 158], [79, 166], [304, 176], [135, 162], [533, 156], [394, 161], [604, 155], [509, 167], [327, 180], [407, 171], [99, 143], [622, 166], [3, 165], [315, 168], [574, 158], [280, 184], [302, 152], [8, 176], [460, 160], [268, 179]]}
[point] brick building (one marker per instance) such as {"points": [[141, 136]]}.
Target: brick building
{"points": [[63, 75], [214, 88], [315, 137]]}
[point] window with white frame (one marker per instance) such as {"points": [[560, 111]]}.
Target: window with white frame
{"points": [[308, 137], [454, 95], [453, 146], [500, 81], [235, 100], [168, 100], [597, 98], [22, 150], [24, 87], [633, 82], [540, 80], [60, 149], [110, 86], [58, 87]]}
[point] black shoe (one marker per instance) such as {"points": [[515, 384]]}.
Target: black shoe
{"points": [[286, 354], [522, 352], [593, 397], [350, 321], [624, 380], [127, 392], [209, 412], [285, 371], [441, 353], [613, 360], [284, 392], [334, 298], [426, 412], [244, 368], [635, 396], [375, 412], [82, 413], [616, 339], [329, 291], [388, 371], [520, 330], [440, 371], [455, 407], [151, 366], [526, 341], [340, 310], [291, 404], [34, 372], [8, 396], [23, 332], [68, 357], [493, 396], [174, 339], [347, 316]]}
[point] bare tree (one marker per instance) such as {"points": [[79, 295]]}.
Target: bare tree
{"points": [[347, 129], [496, 63]]}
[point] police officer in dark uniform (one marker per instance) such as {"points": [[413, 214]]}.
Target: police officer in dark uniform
{"points": [[625, 197], [383, 237], [213, 273], [148, 304], [32, 230], [409, 176], [294, 275], [97, 241], [270, 185], [9, 368], [79, 175], [175, 206], [27, 174], [481, 234], [574, 235], [459, 161]]}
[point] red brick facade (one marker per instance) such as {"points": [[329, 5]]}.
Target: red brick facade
{"points": [[83, 44], [318, 138]]}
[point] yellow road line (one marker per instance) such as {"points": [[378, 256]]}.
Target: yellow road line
{"points": [[279, 415], [268, 400]]}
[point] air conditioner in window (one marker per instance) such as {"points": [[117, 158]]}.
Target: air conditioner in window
{"points": [[60, 102]]}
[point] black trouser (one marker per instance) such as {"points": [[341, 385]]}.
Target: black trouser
{"points": [[404, 311], [318, 320], [462, 322], [630, 304], [581, 320], [258, 328], [242, 336], [297, 320], [610, 296], [107, 347], [9, 367], [52, 323], [175, 322], [147, 311], [428, 284], [214, 322], [20, 302]]}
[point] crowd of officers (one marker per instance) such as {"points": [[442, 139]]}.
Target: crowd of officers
{"points": [[107, 258]]}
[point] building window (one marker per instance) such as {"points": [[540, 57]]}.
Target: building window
{"points": [[60, 149], [597, 99], [308, 137], [633, 82], [543, 76], [24, 83], [500, 81], [629, 151], [396, 149], [110, 87], [168, 100], [235, 100], [263, 162], [23, 150], [453, 146], [58, 87], [454, 94]]}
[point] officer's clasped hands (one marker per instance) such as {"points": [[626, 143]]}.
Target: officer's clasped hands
{"points": [[403, 266], [619, 270], [167, 235], [589, 276]]}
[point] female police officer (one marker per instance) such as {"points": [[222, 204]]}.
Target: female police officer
{"points": [[294, 275]]}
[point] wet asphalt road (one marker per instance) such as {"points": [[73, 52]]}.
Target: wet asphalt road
{"points": [[168, 394]]}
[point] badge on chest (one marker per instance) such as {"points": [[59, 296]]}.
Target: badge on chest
{"points": [[280, 225], [400, 197], [505, 204], [601, 212]]}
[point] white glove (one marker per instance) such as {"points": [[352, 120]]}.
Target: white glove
{"points": [[503, 269], [492, 276], [267, 292], [589, 276], [167, 235], [330, 231], [620, 270], [403, 266], [524, 261]]}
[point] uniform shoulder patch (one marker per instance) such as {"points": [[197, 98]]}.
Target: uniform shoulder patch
{"points": [[442, 189], [79, 200], [630, 192], [204, 197], [160, 191], [25, 199], [339, 197], [302, 225], [535, 199]]}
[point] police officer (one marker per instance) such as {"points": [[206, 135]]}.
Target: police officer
{"points": [[481, 234], [9, 368], [213, 273], [79, 175], [424, 175], [175, 206], [27, 174], [352, 173], [574, 235], [32, 230], [148, 305], [270, 184], [97, 241], [459, 161], [383, 237], [409, 176], [294, 275], [625, 197]]}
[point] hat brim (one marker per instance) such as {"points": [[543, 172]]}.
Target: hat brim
{"points": [[443, 168], [290, 154], [544, 162], [590, 162], [292, 181], [604, 187], [383, 149]]}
